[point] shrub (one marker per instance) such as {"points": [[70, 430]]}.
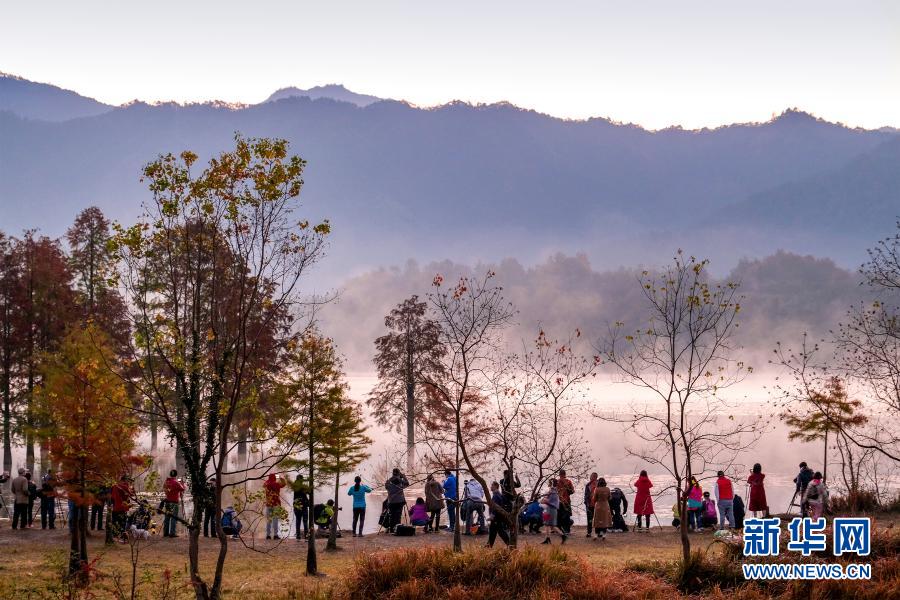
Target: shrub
{"points": [[856, 501], [502, 574]]}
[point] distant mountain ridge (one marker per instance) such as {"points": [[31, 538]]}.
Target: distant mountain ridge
{"points": [[44, 101], [484, 182], [334, 91]]}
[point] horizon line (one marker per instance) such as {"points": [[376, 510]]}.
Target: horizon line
{"points": [[232, 105]]}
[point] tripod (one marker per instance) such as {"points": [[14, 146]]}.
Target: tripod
{"points": [[3, 506]]}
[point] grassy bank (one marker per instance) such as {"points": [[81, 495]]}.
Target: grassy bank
{"points": [[627, 565]]}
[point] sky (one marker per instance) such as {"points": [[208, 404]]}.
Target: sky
{"points": [[652, 62]]}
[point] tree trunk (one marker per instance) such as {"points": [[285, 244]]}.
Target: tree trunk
{"points": [[409, 373], [332, 534], [242, 442], [7, 426], [410, 426], [29, 449], [201, 589], [312, 567], [154, 432], [685, 540], [78, 556], [514, 514], [825, 458], [45, 456], [457, 534]]}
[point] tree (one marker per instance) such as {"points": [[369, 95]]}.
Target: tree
{"points": [[472, 316], [92, 261], [213, 272], [46, 308], [10, 342], [817, 404], [683, 358], [409, 352], [868, 345], [345, 444], [317, 391], [534, 415], [92, 428], [822, 412]]}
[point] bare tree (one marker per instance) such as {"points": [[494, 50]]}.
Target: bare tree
{"points": [[536, 405], [472, 316], [868, 345], [682, 357]]}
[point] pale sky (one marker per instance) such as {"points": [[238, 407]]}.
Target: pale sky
{"points": [[652, 62]]}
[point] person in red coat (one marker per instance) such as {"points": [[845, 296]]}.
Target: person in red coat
{"points": [[758, 501], [643, 502], [121, 495], [173, 488], [273, 488]]}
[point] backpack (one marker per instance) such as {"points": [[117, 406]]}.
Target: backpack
{"points": [[404, 530], [227, 519]]}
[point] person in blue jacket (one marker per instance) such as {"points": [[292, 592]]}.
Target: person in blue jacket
{"points": [[532, 517], [450, 497], [359, 491]]}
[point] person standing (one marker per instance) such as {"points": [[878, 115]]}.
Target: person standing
{"points": [[566, 488], [434, 502], [451, 495], [206, 504], [358, 491], [758, 502], [550, 501], [618, 505], [589, 501], [802, 482], [272, 488], [474, 504], [694, 497], [19, 489], [816, 496], [643, 501], [725, 500], [33, 495], [173, 489], [121, 494], [97, 506], [602, 515], [48, 505], [301, 506], [396, 498], [498, 525]]}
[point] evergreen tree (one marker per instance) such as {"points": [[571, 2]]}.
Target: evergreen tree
{"points": [[317, 390], [344, 448], [823, 412], [409, 354]]}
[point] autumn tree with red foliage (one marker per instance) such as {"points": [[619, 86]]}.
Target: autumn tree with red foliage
{"points": [[45, 309], [91, 426]]}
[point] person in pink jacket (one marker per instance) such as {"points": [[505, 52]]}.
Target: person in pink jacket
{"points": [[643, 502], [695, 505]]}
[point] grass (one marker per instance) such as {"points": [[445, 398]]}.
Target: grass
{"points": [[638, 566]]}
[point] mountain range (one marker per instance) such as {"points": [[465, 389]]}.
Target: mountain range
{"points": [[475, 182]]}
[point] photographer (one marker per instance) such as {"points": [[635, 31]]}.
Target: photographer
{"points": [[396, 498], [173, 488]]}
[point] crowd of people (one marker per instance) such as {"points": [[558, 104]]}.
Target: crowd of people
{"points": [[548, 513]]}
